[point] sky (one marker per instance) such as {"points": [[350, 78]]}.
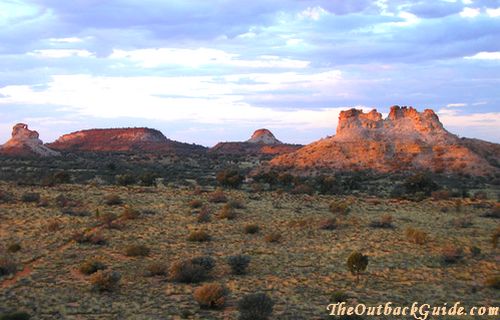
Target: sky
{"points": [[208, 71]]}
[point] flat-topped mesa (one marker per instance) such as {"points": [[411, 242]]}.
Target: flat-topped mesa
{"points": [[263, 136], [118, 140], [402, 122], [25, 142]]}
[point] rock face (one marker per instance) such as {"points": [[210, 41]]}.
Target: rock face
{"points": [[262, 142], [25, 142], [264, 136], [406, 140], [120, 140]]}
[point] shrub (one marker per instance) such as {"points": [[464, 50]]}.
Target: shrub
{"points": [[494, 212], [302, 189], [148, 179], [339, 296], [30, 197], [329, 224], [420, 182], [451, 254], [137, 250], [357, 263], [130, 213], [251, 228], [256, 306], [103, 280], [480, 195], [236, 204], [13, 247], [339, 207], [113, 200], [229, 178], [207, 262], [384, 222], [273, 237], [204, 215], [95, 238], [195, 204], [6, 197], [217, 196], [493, 282], [125, 179], [61, 177], [91, 266], [108, 220], [238, 263], [495, 236], [210, 295], [441, 194], [54, 225], [416, 236], [227, 212], [16, 315], [199, 236], [7, 266], [187, 271], [475, 251], [462, 222], [156, 268]]}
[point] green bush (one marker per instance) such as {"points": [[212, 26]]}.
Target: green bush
{"points": [[91, 266], [16, 315], [191, 271], [256, 306], [357, 263], [420, 183], [7, 266], [251, 228], [30, 197], [125, 179], [229, 178], [113, 200], [238, 264]]}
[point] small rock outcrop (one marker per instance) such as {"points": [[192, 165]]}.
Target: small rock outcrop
{"points": [[25, 142], [120, 140], [406, 140], [263, 136], [262, 142]]}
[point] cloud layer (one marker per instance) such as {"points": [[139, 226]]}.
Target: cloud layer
{"points": [[223, 68]]}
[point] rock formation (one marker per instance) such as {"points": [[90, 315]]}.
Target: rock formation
{"points": [[120, 140], [406, 140], [264, 136], [262, 142], [25, 142]]}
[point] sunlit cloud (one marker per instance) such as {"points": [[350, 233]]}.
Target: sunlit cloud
{"points": [[485, 56]]}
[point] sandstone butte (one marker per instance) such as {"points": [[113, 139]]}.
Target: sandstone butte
{"points": [[120, 140], [406, 140], [25, 142], [261, 142]]}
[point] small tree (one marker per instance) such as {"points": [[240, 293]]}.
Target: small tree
{"points": [[357, 263]]}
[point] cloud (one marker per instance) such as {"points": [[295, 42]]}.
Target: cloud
{"points": [[195, 58], [456, 105], [485, 56]]}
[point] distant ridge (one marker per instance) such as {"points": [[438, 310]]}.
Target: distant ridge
{"points": [[120, 140]]}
